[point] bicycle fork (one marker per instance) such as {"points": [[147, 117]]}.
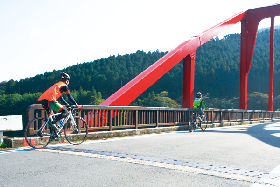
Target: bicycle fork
{"points": [[73, 123]]}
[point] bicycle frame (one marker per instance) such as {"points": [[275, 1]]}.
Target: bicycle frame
{"points": [[196, 120], [65, 119], [44, 134]]}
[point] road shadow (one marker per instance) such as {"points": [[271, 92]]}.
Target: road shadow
{"points": [[264, 132]]}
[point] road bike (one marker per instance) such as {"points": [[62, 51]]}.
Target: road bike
{"points": [[39, 132], [200, 121]]}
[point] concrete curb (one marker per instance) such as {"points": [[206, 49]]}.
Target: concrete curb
{"points": [[14, 142]]}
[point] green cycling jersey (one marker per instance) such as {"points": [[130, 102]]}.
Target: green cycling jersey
{"points": [[199, 103]]}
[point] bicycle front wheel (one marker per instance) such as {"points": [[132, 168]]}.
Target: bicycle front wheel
{"points": [[76, 131], [204, 123], [37, 133]]}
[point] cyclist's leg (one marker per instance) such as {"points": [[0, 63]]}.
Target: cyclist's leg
{"points": [[45, 105], [201, 112], [200, 116], [58, 108]]}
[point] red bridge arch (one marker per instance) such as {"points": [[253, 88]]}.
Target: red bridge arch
{"points": [[187, 51]]}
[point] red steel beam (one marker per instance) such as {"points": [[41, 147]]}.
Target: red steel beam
{"points": [[128, 93], [188, 81], [271, 65], [243, 67], [249, 29]]}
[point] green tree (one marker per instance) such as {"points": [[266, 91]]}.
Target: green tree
{"points": [[96, 97], [159, 100], [257, 101]]}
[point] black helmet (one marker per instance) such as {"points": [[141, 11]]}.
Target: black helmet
{"points": [[198, 95], [64, 77]]}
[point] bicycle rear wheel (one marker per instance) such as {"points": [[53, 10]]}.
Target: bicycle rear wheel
{"points": [[37, 133], [192, 121], [74, 135], [204, 123]]}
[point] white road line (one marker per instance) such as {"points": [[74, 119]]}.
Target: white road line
{"points": [[142, 161], [269, 182], [258, 182]]}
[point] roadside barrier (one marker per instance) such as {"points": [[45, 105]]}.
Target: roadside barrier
{"points": [[123, 117]]}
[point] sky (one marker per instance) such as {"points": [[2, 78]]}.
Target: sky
{"points": [[46, 35]]}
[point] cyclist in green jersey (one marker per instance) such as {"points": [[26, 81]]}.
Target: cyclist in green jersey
{"points": [[199, 103]]}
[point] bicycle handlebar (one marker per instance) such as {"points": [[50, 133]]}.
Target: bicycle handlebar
{"points": [[73, 107]]}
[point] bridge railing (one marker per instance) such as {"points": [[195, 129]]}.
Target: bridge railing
{"points": [[113, 118], [234, 115]]}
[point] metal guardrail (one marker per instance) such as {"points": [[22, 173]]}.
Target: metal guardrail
{"points": [[117, 117], [235, 115]]}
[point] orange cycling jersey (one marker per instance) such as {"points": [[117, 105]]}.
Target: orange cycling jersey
{"points": [[53, 93]]}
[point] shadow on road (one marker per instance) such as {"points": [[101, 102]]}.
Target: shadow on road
{"points": [[265, 132]]}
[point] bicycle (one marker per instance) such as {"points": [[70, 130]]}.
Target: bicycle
{"points": [[39, 132], [196, 120]]}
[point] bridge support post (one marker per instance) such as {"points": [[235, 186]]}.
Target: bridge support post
{"points": [[249, 30], [243, 66], [271, 65], [188, 81]]}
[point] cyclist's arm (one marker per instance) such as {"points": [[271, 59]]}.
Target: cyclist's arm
{"points": [[63, 100], [204, 105], [67, 92], [71, 98]]}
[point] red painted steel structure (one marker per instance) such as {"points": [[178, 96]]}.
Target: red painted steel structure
{"points": [[125, 95], [271, 65], [188, 80], [249, 29], [187, 51]]}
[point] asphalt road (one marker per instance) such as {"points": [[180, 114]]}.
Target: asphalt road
{"points": [[216, 152]]}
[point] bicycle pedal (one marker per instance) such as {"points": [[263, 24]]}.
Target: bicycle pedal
{"points": [[54, 139], [54, 136], [39, 133], [75, 132]]}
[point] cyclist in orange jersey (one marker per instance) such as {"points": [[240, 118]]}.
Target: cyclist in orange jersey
{"points": [[49, 97]]}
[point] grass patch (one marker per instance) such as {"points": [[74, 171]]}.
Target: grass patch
{"points": [[3, 145]]}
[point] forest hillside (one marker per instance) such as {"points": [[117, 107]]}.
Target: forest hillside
{"points": [[216, 76]]}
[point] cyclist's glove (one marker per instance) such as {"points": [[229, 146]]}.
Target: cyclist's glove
{"points": [[79, 107]]}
